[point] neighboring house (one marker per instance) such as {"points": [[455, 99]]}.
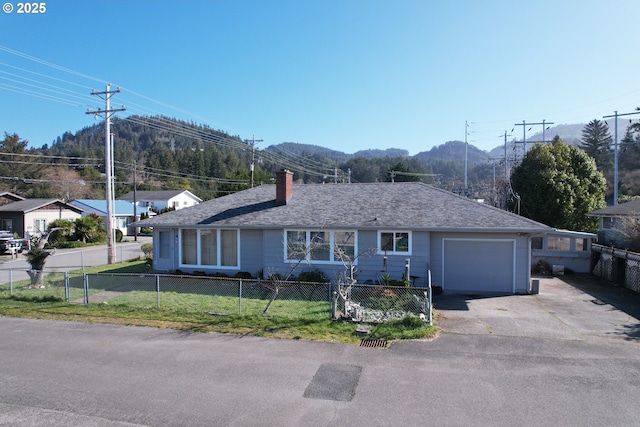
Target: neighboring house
{"points": [[123, 212], [464, 245], [566, 250], [6, 224], [6, 197], [158, 200], [32, 216], [612, 222]]}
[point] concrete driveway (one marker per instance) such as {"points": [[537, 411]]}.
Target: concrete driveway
{"points": [[572, 307]]}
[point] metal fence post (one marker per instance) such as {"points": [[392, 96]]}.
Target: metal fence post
{"points": [[66, 286], [334, 306], [86, 287], [11, 282], [158, 288], [429, 296], [240, 296]]}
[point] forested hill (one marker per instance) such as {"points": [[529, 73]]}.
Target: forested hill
{"points": [[166, 153]]}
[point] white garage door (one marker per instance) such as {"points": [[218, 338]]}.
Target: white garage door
{"points": [[478, 265]]}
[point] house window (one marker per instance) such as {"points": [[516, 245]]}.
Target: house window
{"points": [[209, 247], [40, 225], [189, 246], [217, 248], [344, 245], [395, 242], [559, 244], [536, 243], [320, 246], [229, 248], [7, 225], [581, 244]]}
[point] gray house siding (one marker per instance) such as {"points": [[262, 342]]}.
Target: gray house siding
{"points": [[251, 251]]}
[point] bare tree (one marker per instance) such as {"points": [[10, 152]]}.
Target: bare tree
{"points": [[67, 184]]}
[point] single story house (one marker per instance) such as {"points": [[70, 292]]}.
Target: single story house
{"points": [[123, 212], [6, 224], [32, 216], [378, 228], [613, 221], [158, 200]]}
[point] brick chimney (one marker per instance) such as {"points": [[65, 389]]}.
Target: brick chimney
{"points": [[284, 186]]}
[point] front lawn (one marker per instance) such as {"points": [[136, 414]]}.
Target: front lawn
{"points": [[192, 311]]}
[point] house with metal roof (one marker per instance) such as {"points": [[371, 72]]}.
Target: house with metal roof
{"points": [[124, 212], [378, 228], [32, 216]]}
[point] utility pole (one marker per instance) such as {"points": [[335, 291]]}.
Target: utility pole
{"points": [[108, 112], [253, 156], [466, 145], [524, 125], [615, 153], [135, 201]]}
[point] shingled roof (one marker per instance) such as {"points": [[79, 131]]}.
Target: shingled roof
{"points": [[630, 208], [29, 205], [404, 205]]}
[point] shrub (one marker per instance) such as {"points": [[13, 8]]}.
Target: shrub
{"points": [[314, 275], [147, 249], [118, 235]]}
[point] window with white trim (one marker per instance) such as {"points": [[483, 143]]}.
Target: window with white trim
{"points": [[394, 242], [320, 246], [40, 225], [209, 247]]}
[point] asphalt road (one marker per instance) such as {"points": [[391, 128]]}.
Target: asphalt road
{"points": [[66, 373], [72, 259]]}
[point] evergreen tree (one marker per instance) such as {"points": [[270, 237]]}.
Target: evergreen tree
{"points": [[596, 142]]}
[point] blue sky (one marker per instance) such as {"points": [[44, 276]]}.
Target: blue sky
{"points": [[348, 75]]}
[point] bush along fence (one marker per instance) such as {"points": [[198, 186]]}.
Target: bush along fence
{"points": [[227, 296], [617, 265]]}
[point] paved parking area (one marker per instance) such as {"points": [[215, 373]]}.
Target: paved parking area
{"points": [[572, 307]]}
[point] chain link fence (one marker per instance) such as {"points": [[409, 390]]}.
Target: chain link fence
{"points": [[377, 303], [617, 265], [228, 296]]}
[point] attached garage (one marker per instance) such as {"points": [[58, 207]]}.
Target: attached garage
{"points": [[479, 265]]}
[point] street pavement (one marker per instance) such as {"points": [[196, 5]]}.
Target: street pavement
{"points": [[488, 366], [73, 259]]}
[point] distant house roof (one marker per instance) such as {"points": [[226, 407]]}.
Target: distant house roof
{"points": [[630, 208], [405, 205], [157, 195], [6, 197], [99, 207], [29, 205]]}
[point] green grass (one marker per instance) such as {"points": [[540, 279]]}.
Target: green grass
{"points": [[190, 308]]}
